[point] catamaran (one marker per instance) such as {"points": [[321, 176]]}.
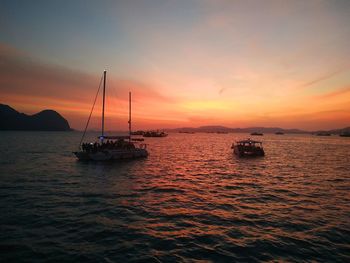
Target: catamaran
{"points": [[109, 148]]}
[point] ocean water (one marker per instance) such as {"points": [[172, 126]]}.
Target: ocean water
{"points": [[191, 200]]}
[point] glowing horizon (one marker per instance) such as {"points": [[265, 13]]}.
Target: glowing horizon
{"points": [[192, 63]]}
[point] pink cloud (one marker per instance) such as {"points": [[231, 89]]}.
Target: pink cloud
{"points": [[32, 85]]}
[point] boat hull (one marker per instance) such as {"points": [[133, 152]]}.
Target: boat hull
{"points": [[156, 136], [246, 152], [111, 155]]}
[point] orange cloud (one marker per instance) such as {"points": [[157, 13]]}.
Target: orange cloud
{"points": [[251, 98], [31, 86], [336, 93]]}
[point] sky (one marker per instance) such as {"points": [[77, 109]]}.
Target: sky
{"points": [[188, 63]]}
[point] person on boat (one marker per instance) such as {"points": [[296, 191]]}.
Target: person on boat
{"points": [[85, 147], [95, 147]]}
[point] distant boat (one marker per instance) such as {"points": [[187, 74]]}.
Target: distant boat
{"points": [[323, 134], [189, 132], [222, 132], [248, 148], [110, 148], [279, 133], [257, 134], [137, 132], [345, 134], [155, 134]]}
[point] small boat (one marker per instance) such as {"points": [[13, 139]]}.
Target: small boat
{"points": [[248, 148], [137, 132], [345, 134], [110, 148], [279, 133], [323, 134], [188, 132], [155, 134], [257, 134]]}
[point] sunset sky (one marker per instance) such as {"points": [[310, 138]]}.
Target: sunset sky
{"points": [[186, 62]]}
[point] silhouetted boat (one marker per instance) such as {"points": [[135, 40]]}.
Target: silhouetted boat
{"points": [[137, 132], [279, 133], [257, 134], [248, 148], [110, 148], [155, 134], [323, 134], [345, 134], [189, 132]]}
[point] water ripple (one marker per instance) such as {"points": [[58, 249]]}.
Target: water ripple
{"points": [[191, 200]]}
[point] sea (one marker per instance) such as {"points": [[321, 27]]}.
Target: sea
{"points": [[191, 200]]}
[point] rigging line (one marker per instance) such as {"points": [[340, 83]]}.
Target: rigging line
{"points": [[92, 109]]}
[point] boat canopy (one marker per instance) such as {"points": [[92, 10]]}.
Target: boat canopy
{"points": [[249, 141]]}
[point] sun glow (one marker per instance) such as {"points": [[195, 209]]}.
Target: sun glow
{"points": [[208, 105], [218, 63]]}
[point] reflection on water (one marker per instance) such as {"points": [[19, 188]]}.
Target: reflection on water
{"points": [[191, 199]]}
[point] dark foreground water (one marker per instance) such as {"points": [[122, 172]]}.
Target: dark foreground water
{"points": [[191, 200]]}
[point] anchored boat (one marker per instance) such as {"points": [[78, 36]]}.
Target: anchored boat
{"points": [[156, 133], [109, 148], [248, 148], [323, 134], [345, 134]]}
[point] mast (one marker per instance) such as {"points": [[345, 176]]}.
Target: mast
{"points": [[129, 116], [103, 103]]}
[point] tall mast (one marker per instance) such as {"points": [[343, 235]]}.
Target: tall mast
{"points": [[103, 103], [129, 115]]}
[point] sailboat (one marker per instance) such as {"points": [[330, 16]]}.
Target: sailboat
{"points": [[109, 148]]}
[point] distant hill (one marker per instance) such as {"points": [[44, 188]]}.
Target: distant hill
{"points": [[335, 131], [237, 130], [46, 120]]}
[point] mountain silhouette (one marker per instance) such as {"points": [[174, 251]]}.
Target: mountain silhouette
{"points": [[46, 120], [217, 128]]}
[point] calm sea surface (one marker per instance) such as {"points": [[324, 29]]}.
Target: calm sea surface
{"points": [[191, 200]]}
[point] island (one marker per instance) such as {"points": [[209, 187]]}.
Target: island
{"points": [[46, 120]]}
